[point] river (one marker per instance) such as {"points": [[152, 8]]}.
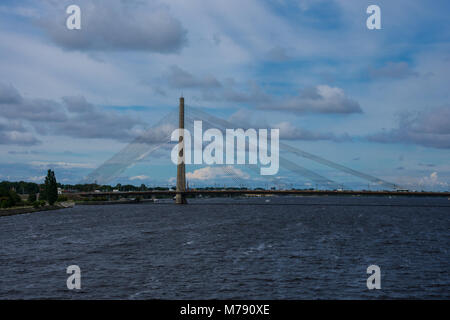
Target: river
{"points": [[230, 248]]}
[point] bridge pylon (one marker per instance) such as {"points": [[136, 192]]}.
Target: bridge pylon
{"points": [[181, 169]]}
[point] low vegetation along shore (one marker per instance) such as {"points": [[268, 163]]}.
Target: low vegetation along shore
{"points": [[25, 197]]}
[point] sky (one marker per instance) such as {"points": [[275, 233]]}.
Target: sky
{"points": [[376, 101]]}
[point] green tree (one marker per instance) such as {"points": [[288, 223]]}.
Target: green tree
{"points": [[31, 197], [9, 198], [51, 187]]}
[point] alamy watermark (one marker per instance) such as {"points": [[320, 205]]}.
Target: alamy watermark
{"points": [[74, 280], [214, 152], [73, 21], [374, 281], [374, 20]]}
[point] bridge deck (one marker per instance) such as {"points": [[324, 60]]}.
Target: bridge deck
{"points": [[266, 192]]}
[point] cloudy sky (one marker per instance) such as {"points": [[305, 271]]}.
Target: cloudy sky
{"points": [[373, 100]]}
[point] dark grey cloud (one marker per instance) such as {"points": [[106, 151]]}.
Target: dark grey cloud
{"points": [[244, 118], [74, 116], [278, 54], [290, 132], [35, 110], [216, 39], [319, 99], [430, 128], [429, 165], [24, 152], [77, 104], [14, 106], [9, 94], [115, 25], [85, 120], [393, 70], [251, 93], [230, 91], [181, 79], [209, 88], [13, 133]]}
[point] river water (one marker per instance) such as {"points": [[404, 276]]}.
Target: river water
{"points": [[261, 248]]}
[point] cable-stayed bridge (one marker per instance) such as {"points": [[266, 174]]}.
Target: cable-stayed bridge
{"points": [[157, 140]]}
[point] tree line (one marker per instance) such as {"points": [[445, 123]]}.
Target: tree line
{"points": [[48, 192]]}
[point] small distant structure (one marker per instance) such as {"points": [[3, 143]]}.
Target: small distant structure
{"points": [[59, 191]]}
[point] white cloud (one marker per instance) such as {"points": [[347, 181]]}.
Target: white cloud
{"points": [[141, 177], [432, 181], [211, 173]]}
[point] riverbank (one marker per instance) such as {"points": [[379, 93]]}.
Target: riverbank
{"points": [[30, 209], [67, 204]]}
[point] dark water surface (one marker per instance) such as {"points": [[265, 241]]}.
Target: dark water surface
{"points": [[262, 248]]}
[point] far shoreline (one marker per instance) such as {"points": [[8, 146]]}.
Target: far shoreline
{"points": [[71, 204]]}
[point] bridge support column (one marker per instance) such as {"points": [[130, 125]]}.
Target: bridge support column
{"points": [[181, 170]]}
